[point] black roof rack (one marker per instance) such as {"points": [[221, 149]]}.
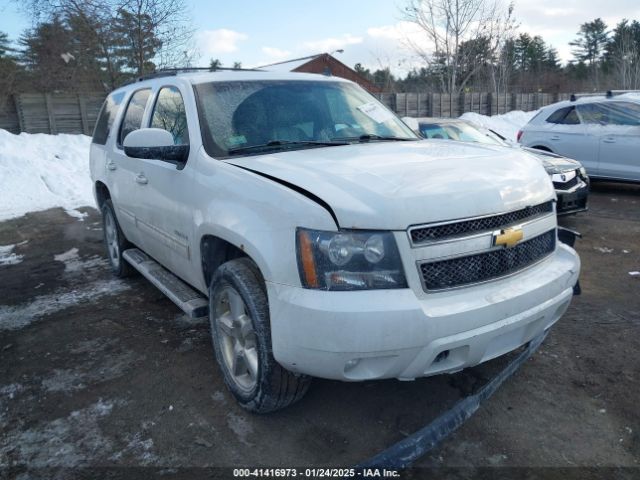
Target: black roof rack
{"points": [[607, 94], [169, 72]]}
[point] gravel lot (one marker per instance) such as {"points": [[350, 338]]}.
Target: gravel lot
{"points": [[99, 372]]}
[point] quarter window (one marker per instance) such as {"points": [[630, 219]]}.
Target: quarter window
{"points": [[133, 116], [107, 116], [170, 115], [565, 116]]}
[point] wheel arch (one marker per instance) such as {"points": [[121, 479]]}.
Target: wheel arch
{"points": [[101, 192], [215, 250]]}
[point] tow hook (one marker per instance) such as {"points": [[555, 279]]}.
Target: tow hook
{"points": [[568, 237]]}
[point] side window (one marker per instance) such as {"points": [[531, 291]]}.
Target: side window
{"points": [[107, 115], [169, 114], [566, 116], [593, 114], [572, 118], [622, 113], [133, 116]]}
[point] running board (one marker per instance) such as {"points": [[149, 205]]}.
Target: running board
{"points": [[193, 303]]}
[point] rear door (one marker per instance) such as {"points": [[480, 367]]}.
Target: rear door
{"points": [[122, 170], [569, 137], [617, 127]]}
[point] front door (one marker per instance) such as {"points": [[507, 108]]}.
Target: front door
{"points": [[163, 216]]}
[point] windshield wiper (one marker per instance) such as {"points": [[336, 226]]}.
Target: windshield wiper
{"points": [[367, 137], [283, 143]]}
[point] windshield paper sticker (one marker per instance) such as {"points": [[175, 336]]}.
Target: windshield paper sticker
{"points": [[375, 112]]}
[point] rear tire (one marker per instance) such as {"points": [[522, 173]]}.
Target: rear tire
{"points": [[115, 241], [241, 335]]}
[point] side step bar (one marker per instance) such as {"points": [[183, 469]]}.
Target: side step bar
{"points": [[193, 303]]}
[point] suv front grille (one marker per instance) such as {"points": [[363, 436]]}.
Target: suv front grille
{"points": [[566, 185], [461, 271], [466, 227]]}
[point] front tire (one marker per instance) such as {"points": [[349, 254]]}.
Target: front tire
{"points": [[115, 241], [241, 334]]}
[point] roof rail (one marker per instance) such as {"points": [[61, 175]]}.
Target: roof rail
{"points": [[607, 94], [169, 72]]}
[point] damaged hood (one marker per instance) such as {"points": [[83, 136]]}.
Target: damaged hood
{"points": [[552, 162], [392, 185]]}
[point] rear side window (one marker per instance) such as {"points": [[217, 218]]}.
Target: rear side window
{"points": [[133, 116], [170, 115], [611, 113], [565, 116], [107, 115]]}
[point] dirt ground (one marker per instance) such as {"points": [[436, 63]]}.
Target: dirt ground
{"points": [[100, 372]]}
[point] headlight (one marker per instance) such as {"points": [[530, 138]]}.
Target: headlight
{"points": [[583, 172], [348, 260]]}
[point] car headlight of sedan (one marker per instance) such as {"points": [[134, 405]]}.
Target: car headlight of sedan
{"points": [[348, 260], [583, 173]]}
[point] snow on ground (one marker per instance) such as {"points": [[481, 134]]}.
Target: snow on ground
{"points": [[8, 257], [40, 171]]}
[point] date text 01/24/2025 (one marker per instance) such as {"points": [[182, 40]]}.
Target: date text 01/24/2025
{"points": [[315, 473]]}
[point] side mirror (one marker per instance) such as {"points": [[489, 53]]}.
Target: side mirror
{"points": [[154, 144]]}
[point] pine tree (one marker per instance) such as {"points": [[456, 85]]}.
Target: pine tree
{"points": [[43, 55], [8, 68], [136, 43], [589, 46]]}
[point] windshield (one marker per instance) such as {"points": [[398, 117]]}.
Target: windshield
{"points": [[252, 117], [458, 131]]}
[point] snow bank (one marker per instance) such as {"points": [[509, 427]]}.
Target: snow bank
{"points": [[506, 125], [40, 171]]}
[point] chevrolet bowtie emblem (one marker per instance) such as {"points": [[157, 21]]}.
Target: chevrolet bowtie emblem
{"points": [[509, 237]]}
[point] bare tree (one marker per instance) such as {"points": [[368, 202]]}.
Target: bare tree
{"points": [[448, 25], [623, 53]]}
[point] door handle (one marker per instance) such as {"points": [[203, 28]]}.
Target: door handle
{"points": [[111, 165], [555, 137], [609, 140], [141, 179]]}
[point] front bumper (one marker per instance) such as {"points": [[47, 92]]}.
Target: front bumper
{"points": [[572, 201], [378, 334]]}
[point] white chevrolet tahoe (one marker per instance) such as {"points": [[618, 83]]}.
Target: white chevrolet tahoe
{"points": [[320, 235]]}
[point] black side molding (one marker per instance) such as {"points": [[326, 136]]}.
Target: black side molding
{"points": [[295, 188]]}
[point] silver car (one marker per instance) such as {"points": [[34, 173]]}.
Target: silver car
{"points": [[603, 133]]}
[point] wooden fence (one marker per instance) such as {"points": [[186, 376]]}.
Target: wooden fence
{"points": [[50, 112], [446, 105], [77, 113]]}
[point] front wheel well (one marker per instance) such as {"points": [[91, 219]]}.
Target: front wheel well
{"points": [[214, 251]]}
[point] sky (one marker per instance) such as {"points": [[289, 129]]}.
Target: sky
{"points": [[371, 32]]}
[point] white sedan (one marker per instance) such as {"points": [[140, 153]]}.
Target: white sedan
{"points": [[602, 133]]}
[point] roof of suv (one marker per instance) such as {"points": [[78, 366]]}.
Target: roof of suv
{"points": [[197, 77]]}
